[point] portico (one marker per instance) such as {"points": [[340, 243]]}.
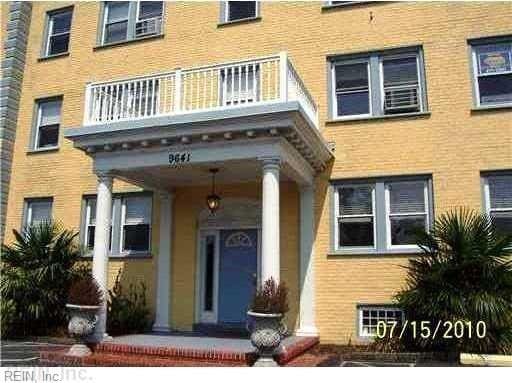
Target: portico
{"points": [[262, 145]]}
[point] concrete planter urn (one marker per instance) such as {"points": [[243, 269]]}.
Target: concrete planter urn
{"points": [[81, 325], [266, 335]]}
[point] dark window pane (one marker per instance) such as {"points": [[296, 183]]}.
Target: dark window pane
{"points": [[116, 32], [90, 237], [117, 11], [136, 237], [407, 197], [404, 229], [352, 76], [400, 71], [500, 190], [353, 103], [208, 288], [48, 136], [61, 22], [241, 10], [356, 232], [149, 9], [495, 89], [58, 44], [502, 222]]}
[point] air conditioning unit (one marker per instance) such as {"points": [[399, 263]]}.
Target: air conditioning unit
{"points": [[148, 27], [401, 99]]}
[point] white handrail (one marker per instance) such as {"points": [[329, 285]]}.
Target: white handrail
{"points": [[268, 79]]}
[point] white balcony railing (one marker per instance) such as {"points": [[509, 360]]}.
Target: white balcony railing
{"points": [[232, 85]]}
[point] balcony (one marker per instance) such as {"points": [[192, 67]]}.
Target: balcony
{"points": [[229, 86]]}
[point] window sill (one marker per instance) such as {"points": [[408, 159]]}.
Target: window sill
{"points": [[491, 108], [239, 21], [374, 253], [43, 150], [329, 7], [125, 42], [141, 255], [376, 118], [53, 57]]}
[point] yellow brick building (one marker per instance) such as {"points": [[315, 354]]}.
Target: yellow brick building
{"points": [[335, 128]]}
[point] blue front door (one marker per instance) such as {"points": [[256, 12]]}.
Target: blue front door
{"points": [[237, 274]]}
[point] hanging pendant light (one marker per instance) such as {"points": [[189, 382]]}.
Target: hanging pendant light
{"points": [[213, 200]]}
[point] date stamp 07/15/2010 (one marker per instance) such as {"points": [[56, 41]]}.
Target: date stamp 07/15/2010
{"points": [[427, 329]]}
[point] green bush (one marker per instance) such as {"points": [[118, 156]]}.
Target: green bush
{"points": [[464, 274], [127, 312], [36, 271], [7, 317]]}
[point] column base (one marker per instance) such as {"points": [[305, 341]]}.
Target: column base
{"points": [[307, 331], [161, 328]]}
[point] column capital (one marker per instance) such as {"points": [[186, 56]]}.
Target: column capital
{"points": [[271, 162], [105, 177]]}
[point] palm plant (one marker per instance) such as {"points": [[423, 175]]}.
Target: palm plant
{"points": [[36, 272], [464, 274]]}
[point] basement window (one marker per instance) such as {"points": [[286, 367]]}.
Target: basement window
{"points": [[370, 316]]}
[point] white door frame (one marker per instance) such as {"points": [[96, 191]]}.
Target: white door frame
{"points": [[211, 317]]}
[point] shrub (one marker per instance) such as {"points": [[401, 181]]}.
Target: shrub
{"points": [[128, 313], [271, 298], [84, 291], [7, 318], [36, 271], [464, 274]]}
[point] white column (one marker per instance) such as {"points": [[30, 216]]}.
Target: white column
{"points": [[101, 247], [162, 320], [307, 325], [270, 255]]}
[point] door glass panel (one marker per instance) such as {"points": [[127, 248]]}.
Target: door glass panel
{"points": [[209, 272]]}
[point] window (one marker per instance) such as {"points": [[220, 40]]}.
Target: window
{"points": [[149, 18], [240, 10], [47, 123], [492, 67], [116, 21], [498, 201], [370, 316], [378, 84], [59, 27], [128, 20], [136, 224], [356, 216], [130, 231], [240, 84], [381, 215], [407, 211], [37, 211]]}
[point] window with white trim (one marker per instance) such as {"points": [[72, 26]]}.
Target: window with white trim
{"points": [[381, 215], [58, 32], [130, 230], [136, 224], [492, 73], [117, 14], [356, 216], [149, 18], [378, 84], [498, 201], [37, 211], [47, 123], [407, 211], [240, 10], [370, 316]]}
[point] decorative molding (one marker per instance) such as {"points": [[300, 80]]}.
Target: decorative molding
{"points": [[233, 213]]}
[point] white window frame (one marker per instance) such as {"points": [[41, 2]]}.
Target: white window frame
{"points": [[389, 214], [338, 217], [360, 309], [105, 18], [226, 13], [334, 95], [50, 33], [383, 58], [123, 224], [487, 195], [38, 125], [476, 75], [137, 20], [87, 224], [29, 205]]}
